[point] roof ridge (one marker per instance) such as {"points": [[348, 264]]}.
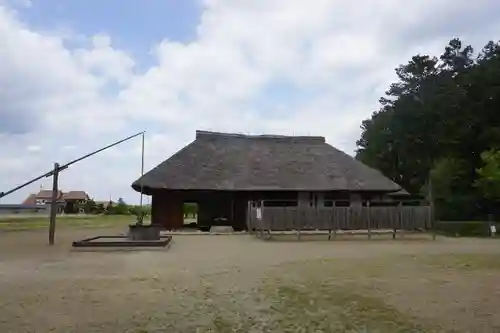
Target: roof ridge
{"points": [[200, 134]]}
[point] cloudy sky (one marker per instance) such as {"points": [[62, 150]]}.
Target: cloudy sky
{"points": [[77, 75]]}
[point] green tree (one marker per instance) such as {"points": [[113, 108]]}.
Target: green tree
{"points": [[99, 209], [489, 175], [436, 119], [121, 208], [451, 203], [90, 207], [140, 212], [190, 209]]}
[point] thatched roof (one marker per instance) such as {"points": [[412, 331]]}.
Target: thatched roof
{"points": [[220, 161], [403, 194], [400, 193], [76, 195]]}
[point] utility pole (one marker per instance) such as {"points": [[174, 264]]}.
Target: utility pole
{"points": [[55, 182]]}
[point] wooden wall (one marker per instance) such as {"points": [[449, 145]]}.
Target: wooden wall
{"points": [[167, 211], [341, 218], [167, 206]]}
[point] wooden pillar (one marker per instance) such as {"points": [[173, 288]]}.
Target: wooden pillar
{"points": [[157, 210], [53, 204], [248, 218], [167, 211], [369, 220], [174, 212], [430, 198], [400, 219]]}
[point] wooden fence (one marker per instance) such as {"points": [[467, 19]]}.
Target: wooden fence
{"points": [[340, 218]]}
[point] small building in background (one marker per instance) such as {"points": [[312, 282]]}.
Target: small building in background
{"points": [[75, 201], [71, 202], [44, 198]]}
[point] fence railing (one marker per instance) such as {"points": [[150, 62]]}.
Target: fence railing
{"points": [[468, 228], [340, 218]]}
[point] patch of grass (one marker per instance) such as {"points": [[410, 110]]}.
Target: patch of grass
{"points": [[319, 307], [222, 325], [470, 261], [34, 223], [340, 268]]}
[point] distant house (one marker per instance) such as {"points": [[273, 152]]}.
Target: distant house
{"points": [[75, 201], [41, 198], [30, 200], [69, 202], [44, 198]]}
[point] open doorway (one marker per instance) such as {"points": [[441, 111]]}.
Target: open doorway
{"points": [[190, 215]]}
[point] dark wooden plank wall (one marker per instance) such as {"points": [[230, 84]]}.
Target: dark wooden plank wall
{"points": [[167, 211], [341, 218]]}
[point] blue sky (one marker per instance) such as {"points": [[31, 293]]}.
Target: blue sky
{"points": [[136, 25], [77, 75]]}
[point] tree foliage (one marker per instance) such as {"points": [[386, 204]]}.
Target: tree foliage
{"points": [[437, 121], [120, 208], [190, 209], [489, 175], [90, 207]]}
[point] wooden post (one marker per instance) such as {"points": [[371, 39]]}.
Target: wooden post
{"points": [[299, 221], [232, 211], [140, 218], [249, 227], [53, 203], [431, 208], [400, 218], [369, 219], [491, 226]]}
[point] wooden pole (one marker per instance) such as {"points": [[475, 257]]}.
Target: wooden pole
{"points": [[431, 208], [369, 219], [53, 203], [249, 227], [400, 219], [299, 222], [232, 210], [140, 218]]}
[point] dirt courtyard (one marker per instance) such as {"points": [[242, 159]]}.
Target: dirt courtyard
{"points": [[243, 284]]}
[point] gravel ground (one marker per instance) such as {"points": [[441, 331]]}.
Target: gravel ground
{"points": [[242, 284]]}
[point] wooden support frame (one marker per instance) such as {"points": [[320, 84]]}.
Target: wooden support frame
{"points": [[55, 188], [121, 241]]}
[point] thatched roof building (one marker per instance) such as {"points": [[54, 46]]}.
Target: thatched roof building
{"points": [[251, 166], [235, 162]]}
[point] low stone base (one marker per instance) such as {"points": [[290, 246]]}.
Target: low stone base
{"points": [[220, 229], [143, 232], [121, 242]]}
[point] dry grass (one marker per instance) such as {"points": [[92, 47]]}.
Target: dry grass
{"points": [[242, 284], [22, 223]]}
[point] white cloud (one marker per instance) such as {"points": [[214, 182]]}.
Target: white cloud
{"points": [[333, 58], [103, 60], [33, 148]]}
